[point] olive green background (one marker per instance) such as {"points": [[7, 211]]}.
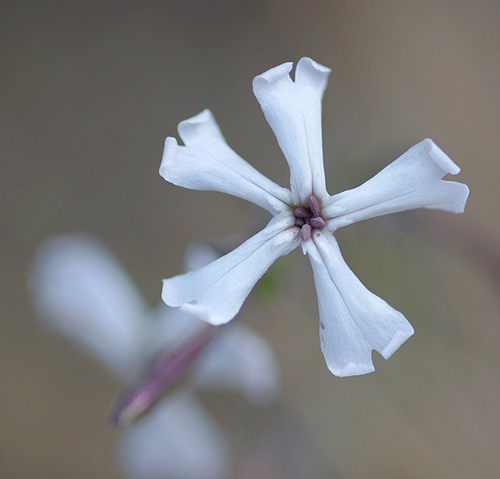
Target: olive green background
{"points": [[89, 90]]}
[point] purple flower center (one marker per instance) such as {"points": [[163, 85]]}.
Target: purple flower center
{"points": [[308, 218]]}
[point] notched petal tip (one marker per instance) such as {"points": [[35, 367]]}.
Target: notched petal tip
{"points": [[464, 196], [399, 338], [310, 63], [310, 75], [461, 193], [201, 125], [203, 117], [167, 293], [168, 158], [440, 157], [352, 369], [274, 74], [170, 296], [203, 313]]}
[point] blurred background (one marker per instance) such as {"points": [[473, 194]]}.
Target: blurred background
{"points": [[89, 91]]}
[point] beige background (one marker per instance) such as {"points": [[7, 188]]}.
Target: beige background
{"points": [[89, 90]]}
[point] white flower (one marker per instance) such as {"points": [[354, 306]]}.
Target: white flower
{"points": [[353, 321], [81, 290]]}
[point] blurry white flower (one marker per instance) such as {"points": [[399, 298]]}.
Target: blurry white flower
{"points": [[81, 290], [353, 321]]}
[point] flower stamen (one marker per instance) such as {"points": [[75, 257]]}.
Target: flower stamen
{"points": [[306, 232], [308, 218], [314, 205]]}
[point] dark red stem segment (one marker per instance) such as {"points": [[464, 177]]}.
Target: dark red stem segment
{"points": [[160, 375]]}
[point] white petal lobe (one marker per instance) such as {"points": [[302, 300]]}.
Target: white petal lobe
{"points": [[81, 290], [216, 292], [238, 358], [353, 321], [293, 110], [206, 162], [412, 181], [176, 439]]}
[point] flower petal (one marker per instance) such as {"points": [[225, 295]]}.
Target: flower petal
{"points": [[208, 163], [412, 181], [216, 292], [176, 439], [238, 358], [353, 321], [293, 110], [171, 327], [80, 289]]}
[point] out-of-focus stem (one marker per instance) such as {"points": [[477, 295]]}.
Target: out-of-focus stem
{"points": [[160, 376]]}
